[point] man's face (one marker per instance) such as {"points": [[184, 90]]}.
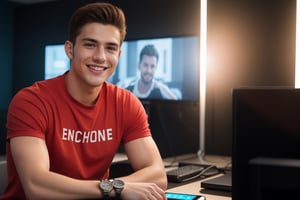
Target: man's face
{"points": [[95, 54], [147, 67]]}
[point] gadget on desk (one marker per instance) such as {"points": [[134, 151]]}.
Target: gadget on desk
{"points": [[189, 172], [180, 196]]}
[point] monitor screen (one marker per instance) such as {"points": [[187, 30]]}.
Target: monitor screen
{"points": [[265, 124], [169, 67]]}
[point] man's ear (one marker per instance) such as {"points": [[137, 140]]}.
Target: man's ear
{"points": [[69, 49], [120, 53]]}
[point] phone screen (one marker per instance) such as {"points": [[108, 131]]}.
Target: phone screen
{"points": [[177, 196]]}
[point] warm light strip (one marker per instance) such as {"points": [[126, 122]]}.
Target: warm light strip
{"points": [[202, 75], [297, 56]]}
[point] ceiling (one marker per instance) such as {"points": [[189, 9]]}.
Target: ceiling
{"points": [[29, 1]]}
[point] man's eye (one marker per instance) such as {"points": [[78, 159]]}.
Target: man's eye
{"points": [[112, 48], [89, 45]]}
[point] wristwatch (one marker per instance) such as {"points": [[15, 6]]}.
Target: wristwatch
{"points": [[118, 186], [105, 186]]}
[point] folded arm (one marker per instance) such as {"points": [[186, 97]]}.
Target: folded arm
{"points": [[31, 158], [149, 177]]}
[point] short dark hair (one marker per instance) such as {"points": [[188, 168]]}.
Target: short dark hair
{"points": [[100, 12], [149, 50]]}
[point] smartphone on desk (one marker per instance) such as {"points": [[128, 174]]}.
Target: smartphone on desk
{"points": [[180, 196]]}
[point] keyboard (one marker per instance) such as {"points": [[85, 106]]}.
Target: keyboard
{"points": [[184, 173]]}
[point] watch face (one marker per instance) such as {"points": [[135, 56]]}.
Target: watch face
{"points": [[106, 185], [118, 183]]}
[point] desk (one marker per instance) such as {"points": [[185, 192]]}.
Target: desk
{"points": [[194, 187]]}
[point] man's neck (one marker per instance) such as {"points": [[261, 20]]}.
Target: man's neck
{"points": [[143, 87], [82, 93]]}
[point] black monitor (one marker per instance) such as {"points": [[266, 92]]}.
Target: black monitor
{"points": [[174, 122], [266, 141]]}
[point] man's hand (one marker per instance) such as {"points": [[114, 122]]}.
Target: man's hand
{"points": [[141, 191]]}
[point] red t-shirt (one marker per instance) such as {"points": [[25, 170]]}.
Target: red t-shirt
{"points": [[81, 140]]}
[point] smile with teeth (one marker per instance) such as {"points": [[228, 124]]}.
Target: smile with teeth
{"points": [[96, 68]]}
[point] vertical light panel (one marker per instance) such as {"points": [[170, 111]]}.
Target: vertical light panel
{"points": [[297, 56], [202, 75]]}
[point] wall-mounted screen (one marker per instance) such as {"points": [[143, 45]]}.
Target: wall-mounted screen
{"points": [[173, 74]]}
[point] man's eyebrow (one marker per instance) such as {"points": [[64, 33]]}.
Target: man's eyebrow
{"points": [[89, 40], [96, 41]]}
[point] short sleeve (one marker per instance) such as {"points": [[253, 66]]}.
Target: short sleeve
{"points": [[136, 119], [26, 115]]}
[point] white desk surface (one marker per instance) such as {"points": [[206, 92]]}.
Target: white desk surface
{"points": [[119, 157]]}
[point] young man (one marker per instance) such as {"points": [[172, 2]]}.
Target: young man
{"points": [[146, 86], [64, 132]]}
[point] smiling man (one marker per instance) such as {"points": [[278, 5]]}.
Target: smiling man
{"points": [[62, 133], [146, 86]]}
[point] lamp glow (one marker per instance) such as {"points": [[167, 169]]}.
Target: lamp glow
{"points": [[297, 56], [202, 71]]}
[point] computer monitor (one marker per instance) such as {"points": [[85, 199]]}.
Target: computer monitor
{"points": [[266, 130]]}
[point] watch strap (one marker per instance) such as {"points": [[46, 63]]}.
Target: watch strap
{"points": [[105, 195], [118, 193]]}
